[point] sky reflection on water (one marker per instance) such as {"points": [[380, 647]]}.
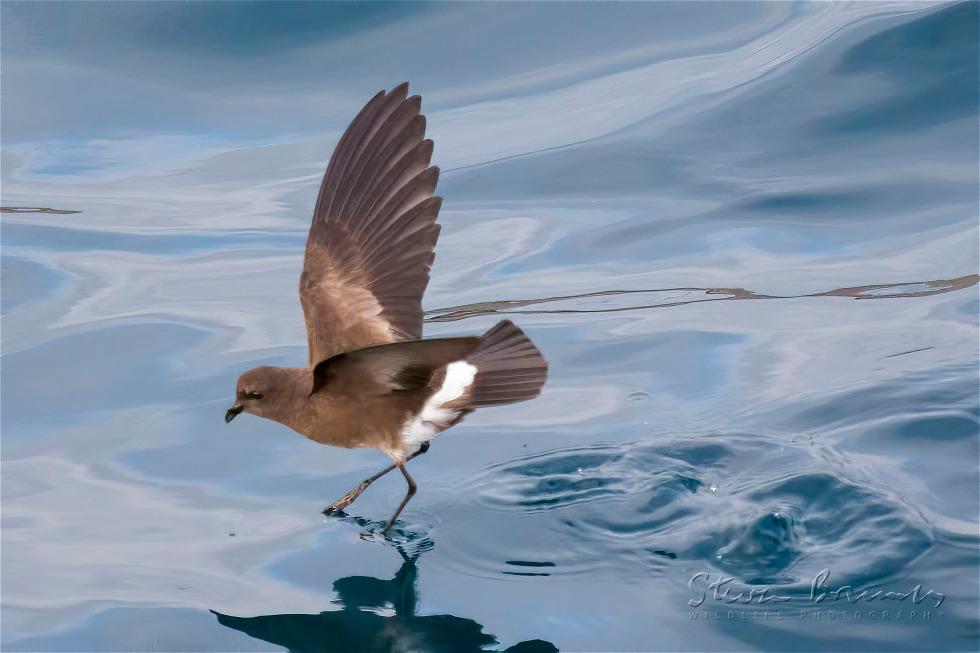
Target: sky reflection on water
{"points": [[618, 178]]}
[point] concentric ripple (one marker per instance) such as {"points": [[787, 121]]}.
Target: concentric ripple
{"points": [[753, 507]]}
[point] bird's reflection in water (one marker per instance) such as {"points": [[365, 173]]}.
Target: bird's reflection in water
{"points": [[357, 627]]}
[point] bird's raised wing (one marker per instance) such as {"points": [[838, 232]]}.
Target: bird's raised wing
{"points": [[374, 231]]}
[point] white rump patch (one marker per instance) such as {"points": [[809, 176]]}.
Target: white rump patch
{"points": [[435, 417]]}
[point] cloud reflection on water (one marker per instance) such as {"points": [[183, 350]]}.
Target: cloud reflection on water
{"points": [[624, 175]]}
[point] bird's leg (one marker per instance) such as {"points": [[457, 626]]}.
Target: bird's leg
{"points": [[408, 495], [351, 496]]}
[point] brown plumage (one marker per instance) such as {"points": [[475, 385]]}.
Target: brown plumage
{"points": [[370, 380]]}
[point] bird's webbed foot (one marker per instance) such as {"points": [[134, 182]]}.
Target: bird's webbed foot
{"points": [[344, 501]]}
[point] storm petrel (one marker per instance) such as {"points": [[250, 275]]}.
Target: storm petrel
{"points": [[371, 381]]}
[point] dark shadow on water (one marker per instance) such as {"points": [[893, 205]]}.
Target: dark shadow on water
{"points": [[682, 296], [36, 209], [357, 626]]}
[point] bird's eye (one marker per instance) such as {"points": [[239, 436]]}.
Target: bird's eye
{"points": [[253, 395]]}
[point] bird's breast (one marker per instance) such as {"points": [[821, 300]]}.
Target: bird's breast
{"points": [[348, 422]]}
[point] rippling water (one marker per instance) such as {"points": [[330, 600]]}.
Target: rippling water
{"points": [[744, 234]]}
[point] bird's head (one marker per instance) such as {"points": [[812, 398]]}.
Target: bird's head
{"points": [[258, 391]]}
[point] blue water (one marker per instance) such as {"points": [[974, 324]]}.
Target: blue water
{"points": [[744, 234]]}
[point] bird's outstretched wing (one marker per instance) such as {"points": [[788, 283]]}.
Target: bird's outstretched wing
{"points": [[374, 231], [407, 366]]}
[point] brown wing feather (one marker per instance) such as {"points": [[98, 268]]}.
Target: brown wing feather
{"points": [[406, 366], [373, 237]]}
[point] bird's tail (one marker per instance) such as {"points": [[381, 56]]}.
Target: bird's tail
{"points": [[509, 367]]}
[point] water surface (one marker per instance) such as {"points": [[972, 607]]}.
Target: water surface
{"points": [[744, 234]]}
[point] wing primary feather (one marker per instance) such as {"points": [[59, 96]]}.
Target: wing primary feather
{"points": [[385, 152], [373, 138], [408, 196], [427, 210], [340, 155], [411, 156]]}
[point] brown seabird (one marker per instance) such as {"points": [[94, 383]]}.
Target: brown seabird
{"points": [[371, 381]]}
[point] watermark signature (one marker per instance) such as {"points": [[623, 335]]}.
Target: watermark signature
{"points": [[723, 589]]}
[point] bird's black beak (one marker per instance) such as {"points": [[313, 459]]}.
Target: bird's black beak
{"points": [[233, 412]]}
